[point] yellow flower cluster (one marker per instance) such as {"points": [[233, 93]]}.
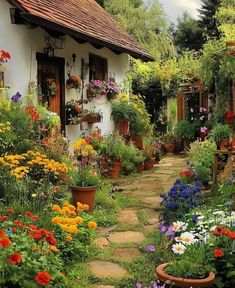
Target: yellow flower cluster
{"points": [[82, 148], [71, 221], [21, 165], [123, 97], [5, 127]]}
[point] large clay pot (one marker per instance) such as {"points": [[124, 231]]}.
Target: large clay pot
{"points": [[115, 169], [149, 164], [123, 127], [224, 145], [170, 147], [138, 141], [140, 167], [182, 282], [84, 195]]}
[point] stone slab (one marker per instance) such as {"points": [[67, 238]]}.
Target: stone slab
{"points": [[126, 237], [152, 201], [101, 242], [128, 216], [126, 254], [106, 269]]}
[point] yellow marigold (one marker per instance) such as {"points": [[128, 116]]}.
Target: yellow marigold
{"points": [[69, 238], [56, 220], [82, 207], [79, 220], [55, 208], [92, 225], [54, 248], [71, 213]]}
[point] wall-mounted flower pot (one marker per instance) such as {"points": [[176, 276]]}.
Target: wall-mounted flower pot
{"points": [[170, 147], [140, 167], [149, 164], [90, 94], [84, 195], [224, 145], [92, 118], [111, 95], [182, 282], [123, 126], [1, 79]]}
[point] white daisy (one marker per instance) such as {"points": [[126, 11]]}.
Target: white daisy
{"points": [[188, 238], [179, 226], [178, 248]]}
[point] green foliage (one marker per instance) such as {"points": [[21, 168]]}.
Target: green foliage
{"points": [[186, 130], [85, 177], [220, 132], [121, 109], [202, 157], [188, 34]]}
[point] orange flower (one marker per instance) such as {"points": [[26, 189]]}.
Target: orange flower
{"points": [[43, 278], [36, 248], [92, 225], [231, 235], [15, 258], [5, 242], [35, 217], [54, 248], [2, 233], [68, 238], [57, 188]]}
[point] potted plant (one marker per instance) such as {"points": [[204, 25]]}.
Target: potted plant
{"points": [[95, 89], [73, 81], [112, 89], [148, 161], [186, 131], [51, 87], [221, 133], [84, 184], [139, 161], [169, 142], [73, 112], [121, 110], [4, 58], [93, 117]]}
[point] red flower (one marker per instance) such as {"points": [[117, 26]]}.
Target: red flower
{"points": [[3, 218], [57, 188], [229, 115], [15, 259], [5, 242], [218, 253], [28, 214], [19, 223], [231, 235], [219, 228], [43, 278], [225, 231], [10, 211], [33, 227], [35, 217], [2, 233], [216, 233]]}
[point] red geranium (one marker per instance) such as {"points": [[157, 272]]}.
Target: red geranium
{"points": [[3, 218], [5, 242], [43, 278], [19, 223], [10, 211], [4, 56], [231, 235], [35, 217], [15, 258], [216, 233], [218, 253], [28, 214], [2, 233], [229, 115]]}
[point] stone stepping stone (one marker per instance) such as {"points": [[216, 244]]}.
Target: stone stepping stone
{"points": [[101, 242], [126, 254], [104, 231], [128, 216], [126, 237], [152, 201], [150, 228], [106, 269]]}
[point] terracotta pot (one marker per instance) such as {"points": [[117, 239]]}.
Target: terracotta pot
{"points": [[90, 94], [224, 145], [138, 141], [111, 95], [149, 164], [123, 127], [114, 173], [233, 144], [1, 79], [181, 282], [84, 195], [140, 167], [170, 147]]}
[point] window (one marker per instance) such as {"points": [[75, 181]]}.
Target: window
{"points": [[98, 68]]}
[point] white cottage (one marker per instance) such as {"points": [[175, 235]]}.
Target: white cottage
{"points": [[62, 36]]}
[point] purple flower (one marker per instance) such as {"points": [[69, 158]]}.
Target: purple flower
{"points": [[16, 97], [202, 117], [138, 285], [162, 228], [97, 83], [191, 110], [150, 248], [203, 130]]}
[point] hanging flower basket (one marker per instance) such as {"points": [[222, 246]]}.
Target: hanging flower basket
{"points": [[95, 89], [92, 118], [73, 82]]}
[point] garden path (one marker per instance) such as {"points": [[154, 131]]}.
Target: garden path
{"points": [[134, 223]]}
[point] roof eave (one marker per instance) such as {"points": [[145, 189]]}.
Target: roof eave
{"points": [[59, 28]]}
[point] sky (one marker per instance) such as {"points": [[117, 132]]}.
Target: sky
{"points": [[175, 8]]}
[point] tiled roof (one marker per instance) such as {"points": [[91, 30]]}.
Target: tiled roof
{"points": [[82, 19]]}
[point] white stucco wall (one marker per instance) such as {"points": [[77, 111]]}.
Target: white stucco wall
{"points": [[23, 44]]}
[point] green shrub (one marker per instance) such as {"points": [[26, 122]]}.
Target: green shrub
{"points": [[186, 130], [220, 132]]}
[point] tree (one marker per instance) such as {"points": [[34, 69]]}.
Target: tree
{"points": [[208, 20], [188, 34], [145, 22]]}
